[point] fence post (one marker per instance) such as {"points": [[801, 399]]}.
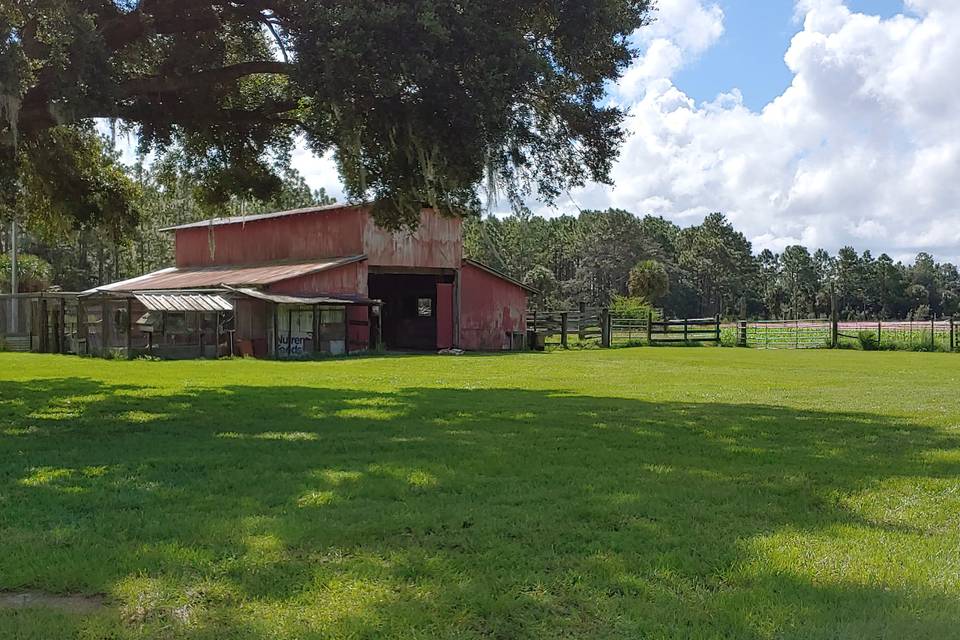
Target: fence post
{"points": [[82, 335], [581, 333], [685, 330], [130, 328], [604, 327], [953, 337], [879, 333], [834, 325], [649, 327], [933, 334], [742, 333], [563, 329], [718, 328]]}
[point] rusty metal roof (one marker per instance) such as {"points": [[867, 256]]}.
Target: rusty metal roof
{"points": [[186, 302], [233, 275], [216, 222], [286, 299]]}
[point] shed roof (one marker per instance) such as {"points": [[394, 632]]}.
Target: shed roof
{"points": [[288, 299], [233, 275], [216, 222], [185, 302]]}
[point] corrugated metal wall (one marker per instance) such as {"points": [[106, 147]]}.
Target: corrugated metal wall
{"points": [[325, 234], [348, 279], [436, 244], [490, 308]]}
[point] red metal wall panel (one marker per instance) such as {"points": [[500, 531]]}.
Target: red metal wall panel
{"points": [[324, 234], [349, 279], [444, 316], [490, 308], [436, 244]]}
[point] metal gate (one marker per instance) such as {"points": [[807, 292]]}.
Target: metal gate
{"points": [[786, 334]]}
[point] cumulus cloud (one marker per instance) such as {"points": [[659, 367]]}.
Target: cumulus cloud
{"points": [[684, 29], [320, 173], [862, 148]]}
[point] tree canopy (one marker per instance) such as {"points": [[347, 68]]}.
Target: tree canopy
{"points": [[601, 256], [422, 101]]}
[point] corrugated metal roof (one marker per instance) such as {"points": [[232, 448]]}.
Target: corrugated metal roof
{"points": [[233, 275], [215, 222], [285, 299], [186, 302]]}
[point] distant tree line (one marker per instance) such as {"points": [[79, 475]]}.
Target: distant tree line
{"points": [[75, 254], [704, 269]]}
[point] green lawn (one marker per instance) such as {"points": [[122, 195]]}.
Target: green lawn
{"points": [[645, 493]]}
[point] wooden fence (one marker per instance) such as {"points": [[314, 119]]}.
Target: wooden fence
{"points": [[584, 325], [685, 331], [591, 324]]}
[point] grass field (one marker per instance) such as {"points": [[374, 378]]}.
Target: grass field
{"points": [[645, 493]]}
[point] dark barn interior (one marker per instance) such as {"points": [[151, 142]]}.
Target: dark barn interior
{"points": [[409, 312]]}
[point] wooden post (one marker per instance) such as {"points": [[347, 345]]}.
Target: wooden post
{"points": [[649, 327], [563, 329], [953, 338], [43, 327], [718, 328], [106, 327], [63, 325], [879, 333], [933, 334], [82, 328], [346, 322], [742, 333], [199, 325], [834, 322], [685, 330], [316, 328], [581, 327], [604, 327], [129, 328], [275, 335]]}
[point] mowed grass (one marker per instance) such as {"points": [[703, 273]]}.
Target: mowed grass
{"points": [[645, 493]]}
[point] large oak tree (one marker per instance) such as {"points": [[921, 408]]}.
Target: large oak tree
{"points": [[423, 101]]}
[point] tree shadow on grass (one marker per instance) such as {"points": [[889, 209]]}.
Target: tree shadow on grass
{"points": [[288, 511]]}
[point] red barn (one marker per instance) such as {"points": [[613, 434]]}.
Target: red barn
{"points": [[315, 280]]}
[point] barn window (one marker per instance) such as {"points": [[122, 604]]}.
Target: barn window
{"points": [[424, 307]]}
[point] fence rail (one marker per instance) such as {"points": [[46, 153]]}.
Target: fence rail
{"points": [[686, 330]]}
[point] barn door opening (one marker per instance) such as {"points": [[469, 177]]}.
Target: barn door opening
{"points": [[412, 314]]}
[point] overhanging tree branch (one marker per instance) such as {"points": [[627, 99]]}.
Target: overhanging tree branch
{"points": [[202, 79]]}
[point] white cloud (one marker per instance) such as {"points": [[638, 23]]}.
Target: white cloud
{"points": [[863, 147], [318, 172], [683, 30]]}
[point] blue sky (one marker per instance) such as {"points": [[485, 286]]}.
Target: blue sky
{"points": [[749, 55]]}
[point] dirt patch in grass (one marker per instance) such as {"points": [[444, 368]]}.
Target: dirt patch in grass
{"points": [[69, 604]]}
